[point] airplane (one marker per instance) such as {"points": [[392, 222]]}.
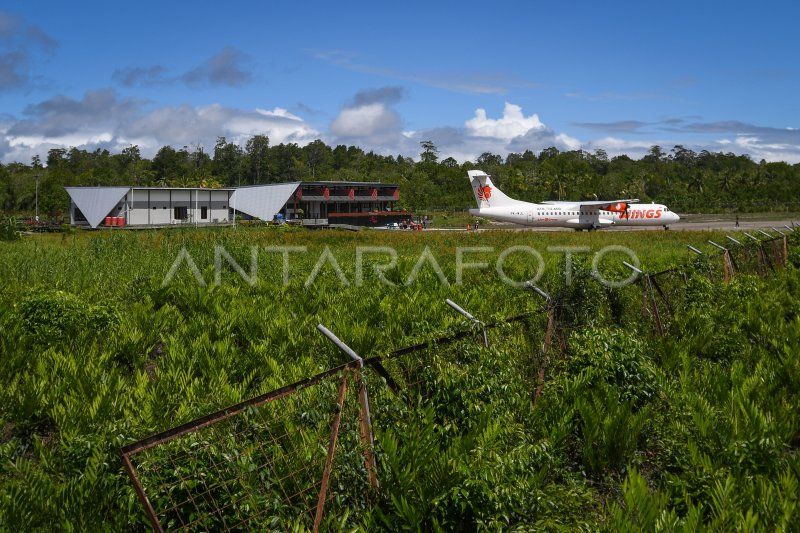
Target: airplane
{"points": [[578, 215]]}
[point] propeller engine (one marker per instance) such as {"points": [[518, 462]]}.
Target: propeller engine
{"points": [[621, 208]]}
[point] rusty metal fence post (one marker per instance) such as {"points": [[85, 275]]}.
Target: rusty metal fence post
{"points": [[649, 297], [783, 241], [785, 250], [779, 246], [142, 495], [364, 417], [549, 331], [728, 264], [326, 473]]}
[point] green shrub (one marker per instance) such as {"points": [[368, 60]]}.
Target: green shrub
{"points": [[610, 430], [54, 315], [643, 509], [581, 298], [614, 357], [8, 230]]}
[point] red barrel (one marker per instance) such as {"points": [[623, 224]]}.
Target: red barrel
{"points": [[109, 221], [121, 222]]}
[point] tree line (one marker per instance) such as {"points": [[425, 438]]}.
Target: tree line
{"points": [[686, 180]]}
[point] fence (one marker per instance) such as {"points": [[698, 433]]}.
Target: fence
{"points": [[290, 455], [265, 458]]}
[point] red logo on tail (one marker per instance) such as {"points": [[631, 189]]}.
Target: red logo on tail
{"points": [[485, 192]]}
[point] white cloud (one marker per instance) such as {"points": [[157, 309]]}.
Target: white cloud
{"points": [[76, 139], [770, 151], [615, 146], [371, 122], [278, 112], [512, 124], [513, 132], [365, 121], [103, 120], [570, 142]]}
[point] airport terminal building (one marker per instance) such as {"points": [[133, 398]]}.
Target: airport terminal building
{"points": [[317, 203]]}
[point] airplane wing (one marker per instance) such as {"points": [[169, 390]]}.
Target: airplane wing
{"points": [[600, 204]]}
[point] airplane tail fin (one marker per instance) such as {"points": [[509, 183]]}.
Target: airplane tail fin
{"points": [[486, 194]]}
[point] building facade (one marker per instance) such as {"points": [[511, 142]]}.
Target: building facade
{"points": [[318, 203], [148, 206], [322, 202]]}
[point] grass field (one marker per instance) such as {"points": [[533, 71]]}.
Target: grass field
{"points": [[697, 429]]}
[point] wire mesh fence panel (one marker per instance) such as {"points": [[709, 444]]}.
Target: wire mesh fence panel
{"points": [[416, 370], [777, 251], [745, 259], [604, 306], [437, 373], [671, 286], [667, 293], [710, 265], [263, 468]]}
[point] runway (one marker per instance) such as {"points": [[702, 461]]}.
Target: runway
{"points": [[688, 222]]}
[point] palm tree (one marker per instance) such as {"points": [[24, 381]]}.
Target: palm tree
{"points": [[725, 181], [696, 183]]}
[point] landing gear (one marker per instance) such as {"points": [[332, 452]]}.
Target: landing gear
{"points": [[666, 228]]}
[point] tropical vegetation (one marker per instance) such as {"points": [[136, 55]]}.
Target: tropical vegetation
{"points": [[686, 180], [698, 429]]}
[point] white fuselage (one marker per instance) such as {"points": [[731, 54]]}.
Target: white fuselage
{"points": [[570, 215]]}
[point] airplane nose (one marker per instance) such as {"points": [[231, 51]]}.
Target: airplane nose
{"points": [[676, 217]]}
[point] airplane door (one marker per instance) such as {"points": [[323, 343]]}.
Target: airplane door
{"points": [[587, 216], [529, 217]]}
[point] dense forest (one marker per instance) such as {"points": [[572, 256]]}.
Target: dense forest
{"points": [[686, 180]]}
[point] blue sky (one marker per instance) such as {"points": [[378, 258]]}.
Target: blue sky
{"points": [[710, 75]]}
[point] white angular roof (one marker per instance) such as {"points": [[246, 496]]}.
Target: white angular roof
{"points": [[96, 202], [262, 201]]}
